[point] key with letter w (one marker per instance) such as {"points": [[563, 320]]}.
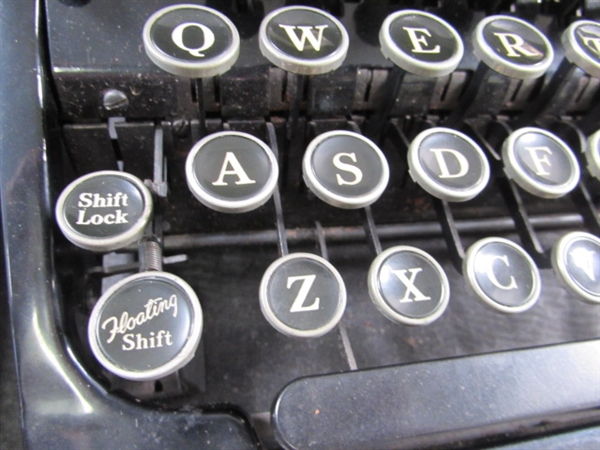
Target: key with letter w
{"points": [[306, 34]]}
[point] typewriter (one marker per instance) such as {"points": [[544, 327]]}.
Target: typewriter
{"points": [[325, 224]]}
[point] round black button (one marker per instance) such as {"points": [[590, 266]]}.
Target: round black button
{"points": [[540, 162], [345, 169], [420, 43], [592, 154], [502, 275], [581, 41], [302, 295], [146, 326], [231, 172], [191, 41], [448, 164], [576, 262], [512, 47], [104, 211], [408, 286], [303, 40]]}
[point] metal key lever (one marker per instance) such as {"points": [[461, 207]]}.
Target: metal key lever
{"points": [[582, 60], [320, 298], [508, 48], [490, 262], [147, 325], [421, 45], [587, 152]]}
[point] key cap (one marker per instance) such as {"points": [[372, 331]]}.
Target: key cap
{"points": [[231, 172], [419, 44], [592, 154], [408, 286], [502, 275], [540, 162], [146, 326], [448, 164], [104, 211], [508, 48], [345, 169], [576, 263], [303, 40], [191, 41], [302, 295]]}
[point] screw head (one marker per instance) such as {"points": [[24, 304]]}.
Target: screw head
{"points": [[114, 99]]}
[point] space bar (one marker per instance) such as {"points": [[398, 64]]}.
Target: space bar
{"points": [[422, 403]]}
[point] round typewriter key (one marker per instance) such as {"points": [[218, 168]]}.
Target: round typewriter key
{"points": [[302, 295], [512, 47], [146, 326], [191, 41], [231, 172], [408, 286], [592, 154], [540, 162], [576, 262], [303, 40], [502, 275], [448, 164], [581, 41], [345, 169], [104, 211], [420, 43]]}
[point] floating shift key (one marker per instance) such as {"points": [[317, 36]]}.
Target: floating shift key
{"points": [[146, 326], [104, 211]]}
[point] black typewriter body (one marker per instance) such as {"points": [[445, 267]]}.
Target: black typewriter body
{"points": [[80, 95]]}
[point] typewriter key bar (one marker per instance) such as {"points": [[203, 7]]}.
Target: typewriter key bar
{"points": [[419, 44], [199, 42], [148, 325], [302, 294], [508, 48], [235, 172], [581, 44]]}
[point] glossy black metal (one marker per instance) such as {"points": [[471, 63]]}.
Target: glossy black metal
{"points": [[64, 407], [450, 232], [116, 108], [420, 405]]}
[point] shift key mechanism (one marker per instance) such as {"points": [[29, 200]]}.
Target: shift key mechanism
{"points": [[104, 211], [146, 326]]}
